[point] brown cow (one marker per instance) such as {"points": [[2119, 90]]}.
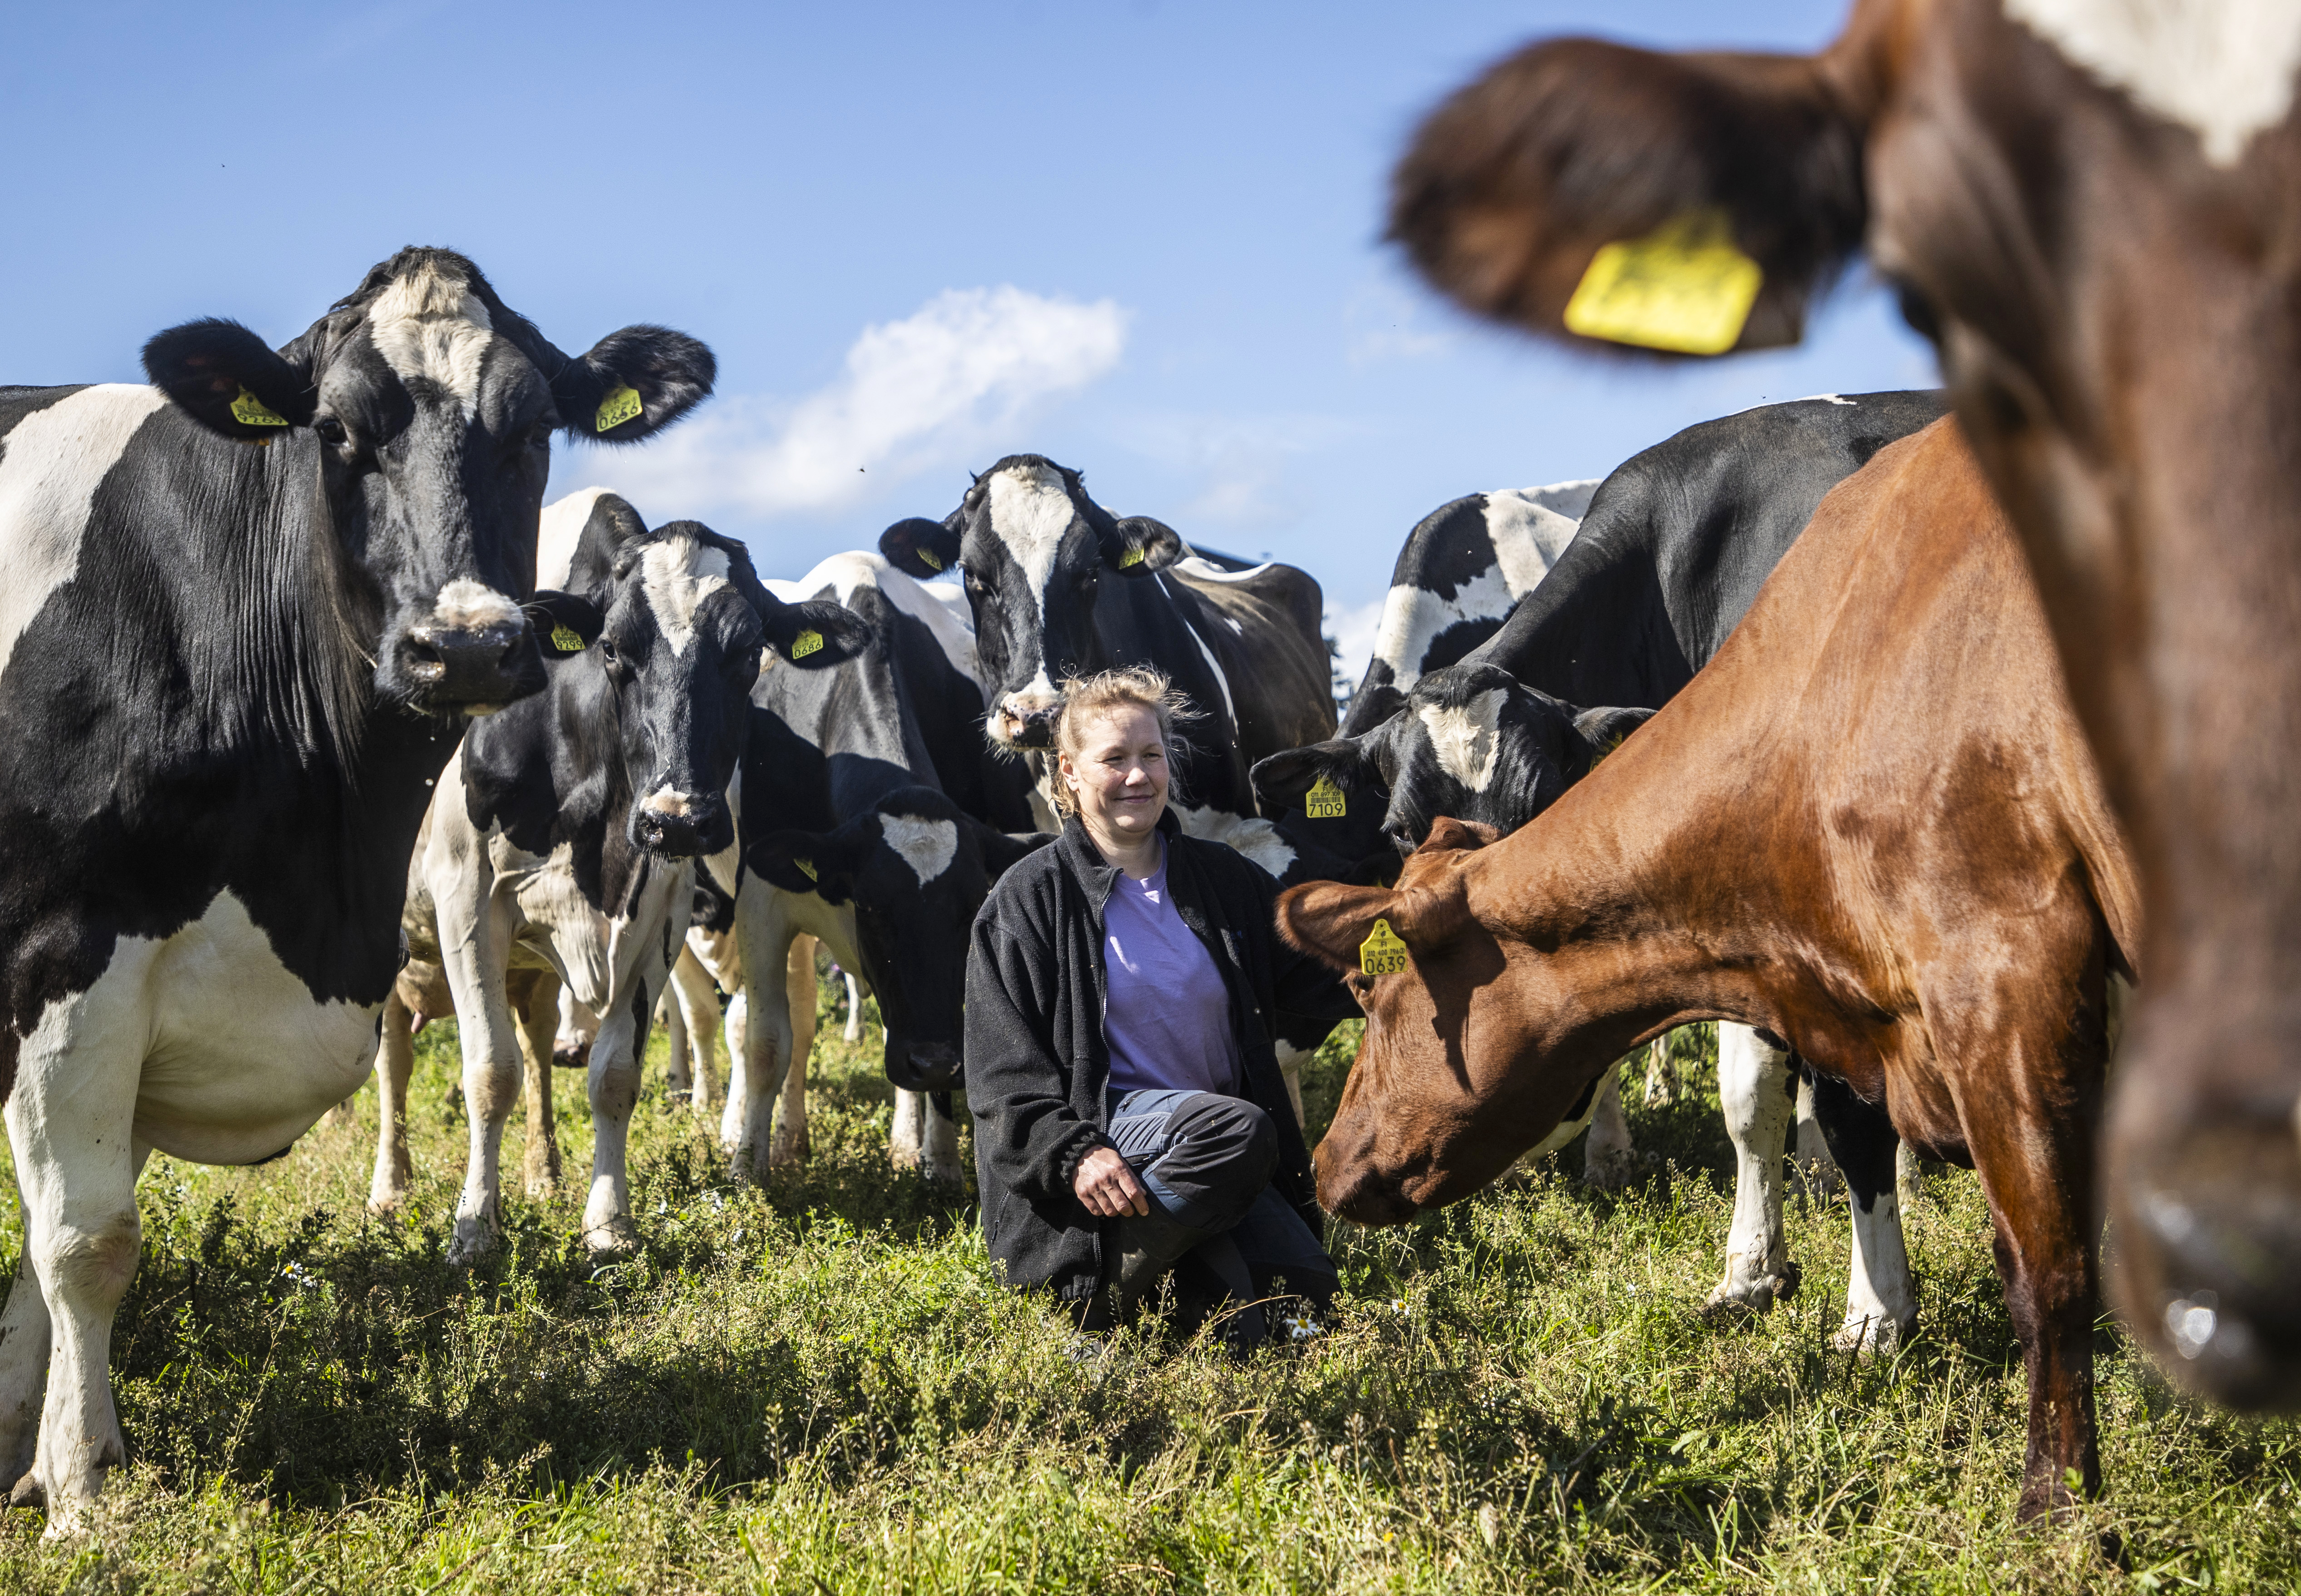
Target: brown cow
{"points": [[1872, 826], [2095, 210]]}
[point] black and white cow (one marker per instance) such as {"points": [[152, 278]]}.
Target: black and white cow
{"points": [[1673, 548], [243, 613], [562, 832], [853, 835]]}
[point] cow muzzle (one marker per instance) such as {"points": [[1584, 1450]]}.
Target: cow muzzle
{"points": [[476, 663], [681, 825], [1021, 724], [923, 1066]]}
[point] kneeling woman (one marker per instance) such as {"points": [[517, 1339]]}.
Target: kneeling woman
{"points": [[1121, 990]]}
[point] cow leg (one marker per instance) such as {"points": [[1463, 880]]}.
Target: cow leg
{"points": [[1608, 1158], [24, 1362], [759, 1045], [853, 1029], [678, 1084], [697, 1007], [790, 1147], [1661, 1072], [395, 1063], [1291, 1060], [615, 1086], [537, 1010], [1815, 1167], [1881, 1300], [475, 941], [906, 1144], [1757, 1087]]}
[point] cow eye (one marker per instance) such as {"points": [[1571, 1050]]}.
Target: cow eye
{"points": [[331, 431], [607, 650]]}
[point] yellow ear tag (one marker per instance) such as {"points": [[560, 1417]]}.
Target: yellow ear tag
{"points": [[928, 560], [566, 639], [619, 407], [809, 641], [1683, 287], [1133, 556], [1325, 800], [1381, 953], [807, 869], [249, 411]]}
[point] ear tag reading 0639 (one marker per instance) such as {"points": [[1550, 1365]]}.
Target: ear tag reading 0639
{"points": [[807, 868], [249, 411], [620, 406], [1381, 953], [807, 642], [1325, 800], [565, 639], [1133, 556], [1685, 288]]}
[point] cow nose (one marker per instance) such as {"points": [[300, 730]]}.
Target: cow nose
{"points": [[680, 825], [476, 668], [2207, 1229], [924, 1066], [1030, 725]]}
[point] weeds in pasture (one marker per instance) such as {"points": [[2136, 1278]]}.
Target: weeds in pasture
{"points": [[817, 1386]]}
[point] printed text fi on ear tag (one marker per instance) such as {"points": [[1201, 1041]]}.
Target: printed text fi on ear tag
{"points": [[249, 411], [927, 559], [566, 639], [1381, 953], [807, 642], [1683, 287], [807, 869], [1325, 800], [1133, 556], [619, 407]]}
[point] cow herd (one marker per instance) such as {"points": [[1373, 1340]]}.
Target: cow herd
{"points": [[1863, 729]]}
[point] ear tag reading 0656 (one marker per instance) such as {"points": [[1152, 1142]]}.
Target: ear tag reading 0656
{"points": [[1381, 953], [807, 642], [565, 639], [620, 406], [927, 559], [1133, 556], [249, 411], [1685, 288], [1325, 800]]}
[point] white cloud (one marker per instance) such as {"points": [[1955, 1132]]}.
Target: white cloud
{"points": [[969, 365], [1241, 466], [1353, 627]]}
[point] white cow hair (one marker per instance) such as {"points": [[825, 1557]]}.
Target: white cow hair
{"points": [[1031, 511], [940, 606], [1528, 536], [464, 604], [1259, 840], [676, 576], [1529, 528], [1230, 707], [50, 463], [1199, 569], [429, 325], [560, 530], [2223, 69], [926, 845], [1466, 739]]}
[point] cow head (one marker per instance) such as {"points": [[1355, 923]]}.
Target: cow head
{"points": [[917, 868], [425, 408], [1034, 548], [684, 619], [1470, 740]]}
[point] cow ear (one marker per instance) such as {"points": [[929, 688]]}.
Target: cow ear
{"points": [[1282, 781], [632, 384], [1002, 851], [815, 635], [917, 547], [819, 861], [1692, 203], [1137, 546], [565, 622], [229, 381], [1330, 921], [1605, 729]]}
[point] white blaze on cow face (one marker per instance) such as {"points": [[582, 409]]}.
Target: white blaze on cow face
{"points": [[676, 576], [1031, 512], [467, 605], [2223, 69], [1467, 739], [50, 463], [429, 325], [926, 845], [666, 802]]}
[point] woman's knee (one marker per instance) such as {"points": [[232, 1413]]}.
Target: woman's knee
{"points": [[1234, 1131]]}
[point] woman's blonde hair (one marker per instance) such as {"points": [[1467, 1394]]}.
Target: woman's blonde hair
{"points": [[1086, 699]]}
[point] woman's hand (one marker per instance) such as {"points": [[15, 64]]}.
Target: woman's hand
{"points": [[1107, 1187]]}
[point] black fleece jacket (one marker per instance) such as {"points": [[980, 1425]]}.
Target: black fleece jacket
{"points": [[1038, 1066]]}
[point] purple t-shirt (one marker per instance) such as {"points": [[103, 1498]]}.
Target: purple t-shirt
{"points": [[1168, 1022]]}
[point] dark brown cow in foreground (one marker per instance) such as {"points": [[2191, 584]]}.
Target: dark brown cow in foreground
{"points": [[2095, 210], [1872, 826]]}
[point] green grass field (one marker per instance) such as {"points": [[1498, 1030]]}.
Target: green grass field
{"points": [[819, 1387]]}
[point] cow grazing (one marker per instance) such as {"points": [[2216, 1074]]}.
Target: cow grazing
{"points": [[2087, 207], [1872, 826], [852, 836], [246, 611], [1674, 548]]}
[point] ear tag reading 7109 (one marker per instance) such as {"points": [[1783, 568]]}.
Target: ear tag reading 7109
{"points": [[1133, 556], [619, 407], [927, 559], [565, 639], [1381, 953], [807, 868], [1325, 800], [249, 411], [807, 642], [1683, 287]]}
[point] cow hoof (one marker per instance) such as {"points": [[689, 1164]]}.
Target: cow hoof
{"points": [[1867, 1335], [1616, 1171], [473, 1245], [1731, 1302], [612, 1237]]}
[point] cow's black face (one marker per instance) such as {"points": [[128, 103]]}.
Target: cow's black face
{"points": [[681, 647], [428, 406], [1036, 551]]}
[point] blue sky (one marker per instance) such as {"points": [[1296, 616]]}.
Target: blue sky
{"points": [[1142, 238]]}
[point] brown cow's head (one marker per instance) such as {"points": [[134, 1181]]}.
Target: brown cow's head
{"points": [[2094, 212]]}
